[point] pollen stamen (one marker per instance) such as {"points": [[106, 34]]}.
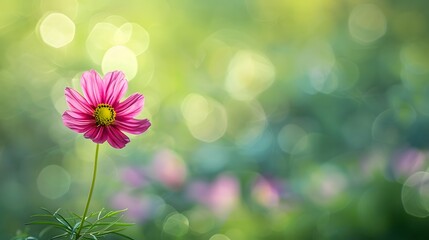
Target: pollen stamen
{"points": [[104, 114]]}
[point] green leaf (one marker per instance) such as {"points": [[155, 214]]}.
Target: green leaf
{"points": [[60, 236], [113, 213], [96, 225], [62, 220], [114, 223], [99, 214]]}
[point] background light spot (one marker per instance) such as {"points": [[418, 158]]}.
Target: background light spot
{"points": [[195, 108], [219, 237], [318, 61], [415, 194], [120, 57], [201, 220], [367, 23], [100, 40], [115, 31], [123, 34], [139, 39], [206, 118], [53, 181], [176, 225], [249, 74], [57, 30]]}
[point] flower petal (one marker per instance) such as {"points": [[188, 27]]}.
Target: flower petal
{"points": [[115, 86], [133, 126], [92, 87], [97, 134], [130, 107], [116, 138], [76, 102], [80, 116], [77, 122]]}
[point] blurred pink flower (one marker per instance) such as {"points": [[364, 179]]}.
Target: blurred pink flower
{"points": [[221, 196], [266, 193], [408, 161], [168, 169], [99, 115], [138, 209], [133, 176]]}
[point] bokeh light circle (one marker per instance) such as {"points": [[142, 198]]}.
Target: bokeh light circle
{"points": [[206, 118], [123, 34], [116, 31], [318, 60], [415, 194], [367, 23], [120, 57], [249, 74], [195, 108], [139, 39], [201, 220], [53, 181], [100, 40], [219, 237], [176, 224], [57, 30]]}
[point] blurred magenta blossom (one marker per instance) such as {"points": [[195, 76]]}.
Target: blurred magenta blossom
{"points": [[168, 168], [138, 208], [407, 162], [99, 114], [220, 196], [266, 192], [133, 176]]}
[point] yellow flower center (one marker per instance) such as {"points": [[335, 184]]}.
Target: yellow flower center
{"points": [[104, 115]]}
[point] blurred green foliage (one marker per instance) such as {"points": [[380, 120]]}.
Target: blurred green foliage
{"points": [[273, 119]]}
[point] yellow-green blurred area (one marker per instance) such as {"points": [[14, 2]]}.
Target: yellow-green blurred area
{"points": [[271, 119]]}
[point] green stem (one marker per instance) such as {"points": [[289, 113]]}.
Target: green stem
{"points": [[94, 175]]}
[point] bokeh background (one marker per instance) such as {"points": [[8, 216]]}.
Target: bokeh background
{"points": [[272, 119]]}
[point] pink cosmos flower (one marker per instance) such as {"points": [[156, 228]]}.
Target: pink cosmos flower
{"points": [[99, 114], [221, 196]]}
